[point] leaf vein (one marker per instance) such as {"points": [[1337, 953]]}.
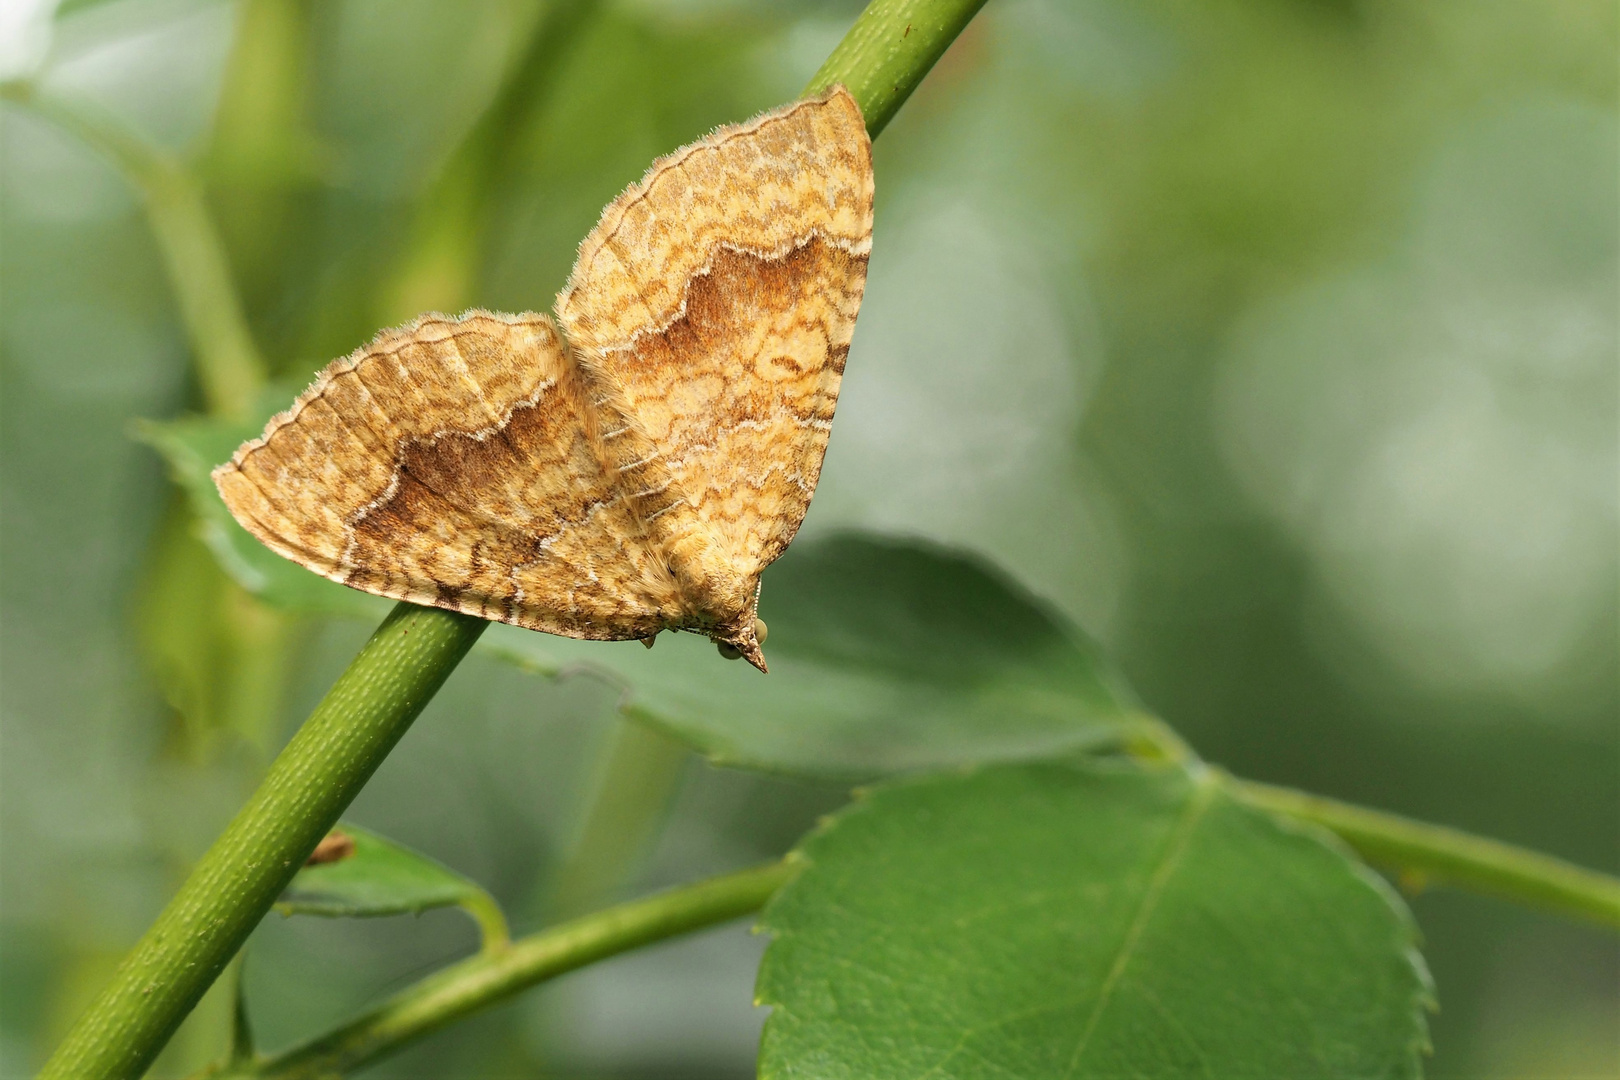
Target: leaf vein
{"points": [[1175, 848]]}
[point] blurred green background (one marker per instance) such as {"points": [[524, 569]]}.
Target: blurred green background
{"points": [[1273, 340]]}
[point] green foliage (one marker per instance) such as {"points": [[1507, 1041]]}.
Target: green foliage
{"points": [[1084, 921], [376, 877], [1351, 363], [192, 447], [885, 655], [216, 653], [379, 877]]}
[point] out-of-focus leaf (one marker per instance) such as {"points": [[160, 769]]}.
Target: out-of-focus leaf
{"points": [[192, 447], [886, 655], [217, 653], [375, 876], [177, 621], [1054, 920]]}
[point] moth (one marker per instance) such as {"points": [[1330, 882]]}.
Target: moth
{"points": [[630, 466]]}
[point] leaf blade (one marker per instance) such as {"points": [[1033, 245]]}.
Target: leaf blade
{"points": [[887, 655], [967, 926], [379, 878], [191, 447]]}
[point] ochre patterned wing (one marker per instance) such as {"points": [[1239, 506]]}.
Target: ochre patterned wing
{"points": [[715, 300], [457, 463]]}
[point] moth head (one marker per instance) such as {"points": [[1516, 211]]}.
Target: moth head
{"points": [[744, 643]]}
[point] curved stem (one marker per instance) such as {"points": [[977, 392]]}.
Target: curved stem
{"points": [[229, 367], [1425, 854], [493, 932], [489, 977], [308, 786]]}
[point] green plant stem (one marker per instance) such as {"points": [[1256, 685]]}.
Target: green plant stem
{"points": [[308, 786], [1420, 854], [493, 932], [229, 367], [892, 45], [1423, 854], [484, 979]]}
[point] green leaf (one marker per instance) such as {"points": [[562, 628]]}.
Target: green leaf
{"points": [[886, 655], [192, 447], [1066, 921], [219, 657], [371, 876], [177, 612], [379, 877]]}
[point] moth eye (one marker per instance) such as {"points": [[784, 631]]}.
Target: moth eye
{"points": [[760, 630], [727, 651]]}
